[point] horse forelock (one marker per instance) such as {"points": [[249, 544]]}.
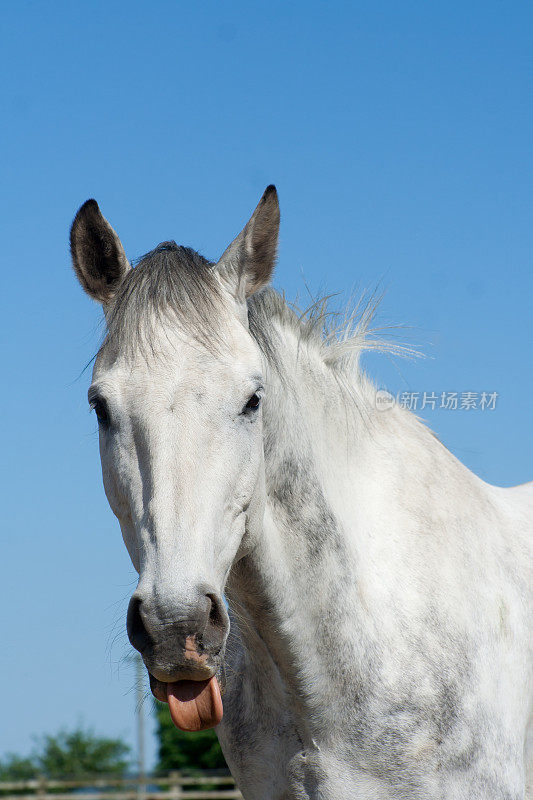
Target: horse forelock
{"points": [[173, 284]]}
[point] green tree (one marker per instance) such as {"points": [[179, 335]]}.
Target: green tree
{"points": [[16, 768], [183, 750], [80, 752], [68, 754]]}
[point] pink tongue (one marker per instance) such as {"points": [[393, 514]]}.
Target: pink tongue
{"points": [[195, 705]]}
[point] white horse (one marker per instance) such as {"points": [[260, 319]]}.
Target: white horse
{"points": [[380, 594]]}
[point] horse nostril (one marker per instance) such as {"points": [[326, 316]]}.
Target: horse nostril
{"points": [[137, 633], [217, 615], [215, 622]]}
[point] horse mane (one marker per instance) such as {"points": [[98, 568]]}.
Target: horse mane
{"points": [[338, 336], [177, 283]]}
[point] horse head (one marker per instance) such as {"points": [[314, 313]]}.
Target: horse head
{"points": [[177, 389]]}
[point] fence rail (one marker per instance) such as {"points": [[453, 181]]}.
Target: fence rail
{"points": [[174, 786]]}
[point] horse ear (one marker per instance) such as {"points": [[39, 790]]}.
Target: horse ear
{"points": [[248, 263], [98, 257]]}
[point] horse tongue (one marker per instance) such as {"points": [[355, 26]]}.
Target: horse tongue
{"points": [[195, 705]]}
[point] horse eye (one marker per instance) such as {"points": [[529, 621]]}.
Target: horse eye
{"points": [[253, 403], [100, 409]]}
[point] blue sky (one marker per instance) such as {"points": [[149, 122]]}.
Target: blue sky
{"points": [[399, 136]]}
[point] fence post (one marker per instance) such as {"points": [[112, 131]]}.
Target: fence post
{"points": [[41, 787], [175, 785]]}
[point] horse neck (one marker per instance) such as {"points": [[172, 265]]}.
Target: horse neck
{"points": [[336, 472]]}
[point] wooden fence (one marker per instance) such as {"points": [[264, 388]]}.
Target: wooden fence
{"points": [[175, 786]]}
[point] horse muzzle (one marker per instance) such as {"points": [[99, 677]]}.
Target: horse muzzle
{"points": [[178, 641]]}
